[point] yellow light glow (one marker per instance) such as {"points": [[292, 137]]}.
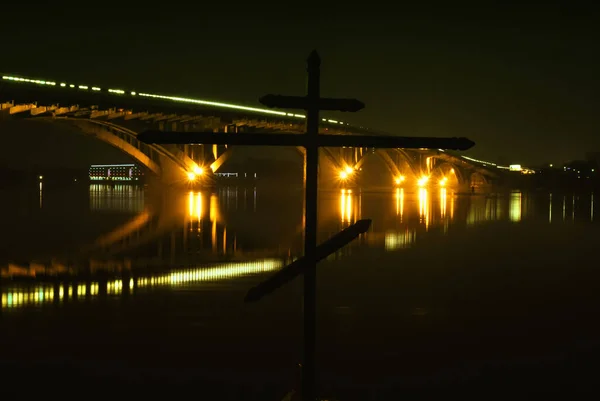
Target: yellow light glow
{"points": [[45, 294], [443, 181], [400, 202], [423, 207], [349, 170], [399, 180], [195, 205], [199, 206], [191, 204], [516, 206], [346, 207], [191, 176], [422, 181], [443, 202], [198, 170], [399, 240], [343, 175]]}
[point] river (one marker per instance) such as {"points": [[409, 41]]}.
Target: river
{"points": [[445, 292]]}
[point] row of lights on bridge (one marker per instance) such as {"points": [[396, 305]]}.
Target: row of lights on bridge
{"points": [[347, 173], [422, 181]]}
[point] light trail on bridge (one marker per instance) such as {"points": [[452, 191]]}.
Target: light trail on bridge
{"points": [[178, 99]]}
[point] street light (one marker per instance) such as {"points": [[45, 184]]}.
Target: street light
{"points": [[399, 180], [422, 181]]}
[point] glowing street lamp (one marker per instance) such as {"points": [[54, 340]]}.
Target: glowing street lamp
{"points": [[349, 170], [399, 180], [191, 176], [343, 175], [198, 170], [443, 181], [422, 181]]}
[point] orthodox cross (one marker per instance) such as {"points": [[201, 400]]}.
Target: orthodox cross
{"points": [[312, 103]]}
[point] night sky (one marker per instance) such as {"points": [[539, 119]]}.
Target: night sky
{"points": [[521, 81]]}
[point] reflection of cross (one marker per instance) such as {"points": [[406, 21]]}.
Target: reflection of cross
{"points": [[313, 104]]}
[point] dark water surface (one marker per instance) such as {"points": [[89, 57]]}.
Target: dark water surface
{"points": [[475, 297]]}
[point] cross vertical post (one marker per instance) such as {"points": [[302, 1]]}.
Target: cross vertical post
{"points": [[312, 103], [310, 228]]}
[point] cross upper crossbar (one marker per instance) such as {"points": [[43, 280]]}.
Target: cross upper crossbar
{"points": [[322, 140]]}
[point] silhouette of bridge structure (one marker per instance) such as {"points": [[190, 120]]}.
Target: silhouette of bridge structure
{"points": [[116, 116]]}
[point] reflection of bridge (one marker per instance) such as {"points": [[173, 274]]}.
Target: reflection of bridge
{"points": [[192, 228], [199, 231], [172, 228], [180, 228], [195, 228], [417, 214], [116, 117], [190, 231]]}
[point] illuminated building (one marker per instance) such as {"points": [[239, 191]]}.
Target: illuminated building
{"points": [[115, 172]]}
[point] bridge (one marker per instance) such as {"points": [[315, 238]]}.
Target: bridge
{"points": [[116, 116]]}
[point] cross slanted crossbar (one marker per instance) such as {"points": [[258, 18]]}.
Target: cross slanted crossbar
{"points": [[313, 103]]}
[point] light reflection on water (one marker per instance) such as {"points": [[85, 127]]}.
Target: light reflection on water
{"points": [[116, 197], [194, 228], [16, 297], [443, 270]]}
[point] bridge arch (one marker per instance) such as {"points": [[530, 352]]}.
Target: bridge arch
{"points": [[169, 163], [469, 174], [453, 173], [477, 179], [398, 162]]}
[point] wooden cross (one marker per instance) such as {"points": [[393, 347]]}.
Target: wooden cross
{"points": [[312, 103]]}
